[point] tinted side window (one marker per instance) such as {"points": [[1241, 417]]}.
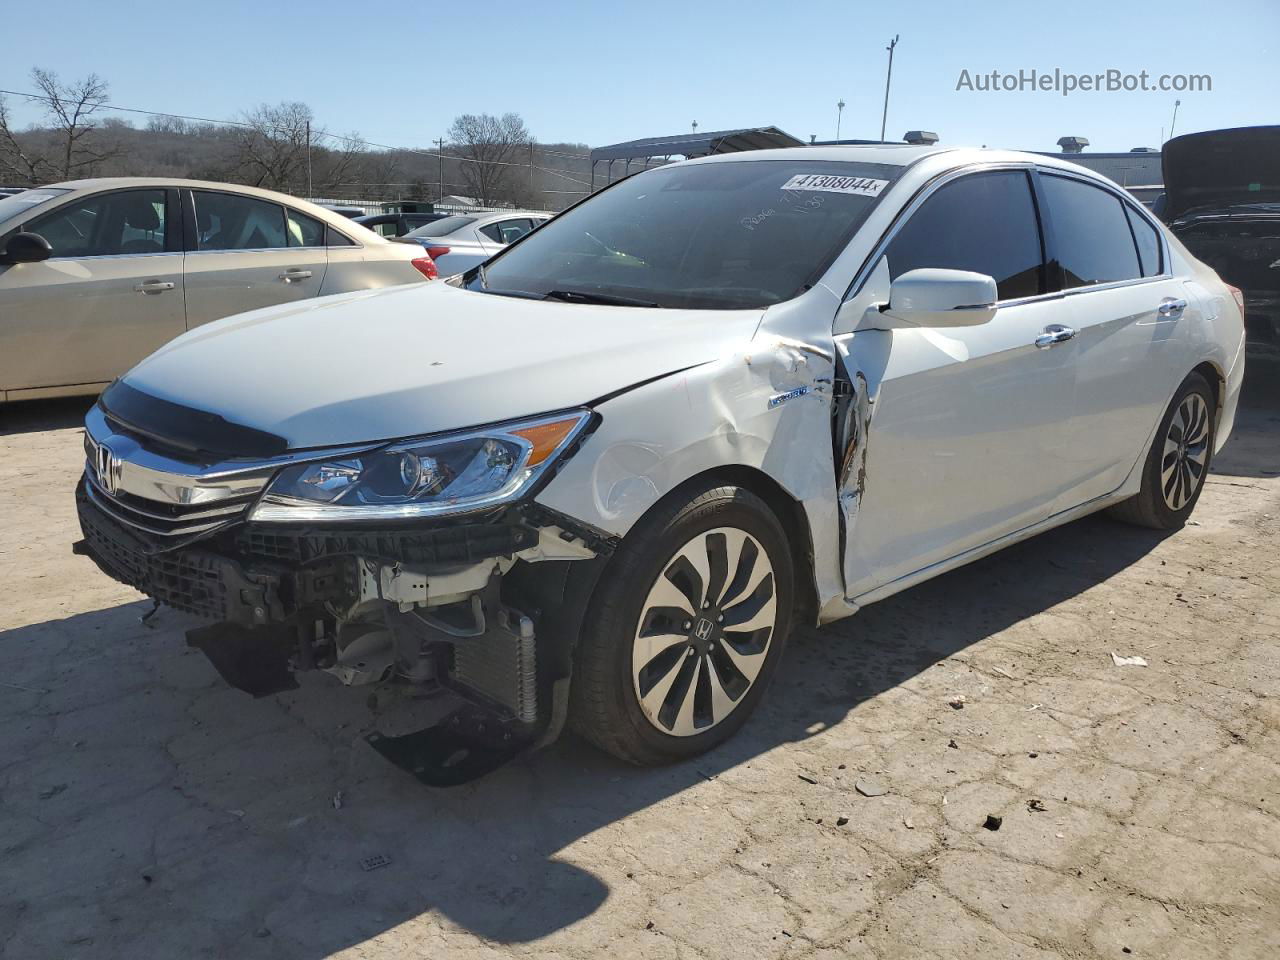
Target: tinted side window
{"points": [[332, 238], [106, 225], [1148, 243], [513, 230], [226, 221], [1091, 233], [305, 231], [493, 232], [985, 222]]}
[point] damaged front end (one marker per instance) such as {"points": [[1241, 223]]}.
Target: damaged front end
{"points": [[479, 609]]}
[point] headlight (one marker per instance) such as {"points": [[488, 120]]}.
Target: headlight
{"points": [[455, 473]]}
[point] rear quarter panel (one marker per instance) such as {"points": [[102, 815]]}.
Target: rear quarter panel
{"points": [[370, 267]]}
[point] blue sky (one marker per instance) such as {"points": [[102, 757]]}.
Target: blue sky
{"points": [[399, 72]]}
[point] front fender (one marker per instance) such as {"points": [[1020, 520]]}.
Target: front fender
{"points": [[766, 406]]}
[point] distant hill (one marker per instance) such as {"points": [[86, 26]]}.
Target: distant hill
{"points": [[169, 147]]}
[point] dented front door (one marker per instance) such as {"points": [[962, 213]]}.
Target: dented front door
{"points": [[962, 435]]}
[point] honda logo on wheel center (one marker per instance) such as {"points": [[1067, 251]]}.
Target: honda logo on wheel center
{"points": [[703, 629]]}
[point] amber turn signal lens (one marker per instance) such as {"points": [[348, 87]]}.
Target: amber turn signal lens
{"points": [[546, 437]]}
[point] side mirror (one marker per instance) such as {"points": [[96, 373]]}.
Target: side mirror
{"points": [[26, 248], [931, 297]]}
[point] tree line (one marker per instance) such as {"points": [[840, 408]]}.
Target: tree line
{"points": [[279, 147]]}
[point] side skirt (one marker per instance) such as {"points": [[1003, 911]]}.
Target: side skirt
{"points": [[977, 553]]}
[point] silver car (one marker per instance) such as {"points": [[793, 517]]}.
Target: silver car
{"points": [[460, 242], [97, 274]]}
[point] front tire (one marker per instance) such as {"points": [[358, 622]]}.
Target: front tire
{"points": [[685, 630], [1176, 467]]}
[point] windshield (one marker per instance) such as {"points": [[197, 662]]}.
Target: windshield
{"points": [[439, 228], [21, 203], [731, 235]]}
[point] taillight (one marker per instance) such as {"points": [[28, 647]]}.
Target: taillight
{"points": [[437, 252], [1239, 296], [427, 267]]}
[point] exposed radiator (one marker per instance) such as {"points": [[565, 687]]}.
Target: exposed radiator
{"points": [[501, 664]]}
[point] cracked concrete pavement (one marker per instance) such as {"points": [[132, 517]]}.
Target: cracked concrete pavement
{"points": [[146, 810]]}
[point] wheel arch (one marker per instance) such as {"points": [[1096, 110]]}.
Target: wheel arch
{"points": [[1217, 382], [789, 511]]}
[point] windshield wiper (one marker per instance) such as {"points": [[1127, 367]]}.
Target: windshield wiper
{"points": [[607, 299]]}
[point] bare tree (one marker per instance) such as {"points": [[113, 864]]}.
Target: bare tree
{"points": [[273, 144], [18, 163], [378, 169], [488, 146], [337, 165], [167, 124], [70, 108]]}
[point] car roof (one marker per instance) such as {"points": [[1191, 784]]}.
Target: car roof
{"points": [[482, 217], [895, 154], [928, 160], [326, 214]]}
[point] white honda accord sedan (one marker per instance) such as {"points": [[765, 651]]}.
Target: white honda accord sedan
{"points": [[598, 478]]}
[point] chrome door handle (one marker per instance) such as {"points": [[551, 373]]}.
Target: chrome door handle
{"points": [[1169, 306], [1054, 333], [153, 286], [291, 275]]}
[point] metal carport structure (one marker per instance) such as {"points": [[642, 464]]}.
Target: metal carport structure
{"points": [[688, 145]]}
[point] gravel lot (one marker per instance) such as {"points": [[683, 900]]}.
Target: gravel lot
{"points": [[146, 810]]}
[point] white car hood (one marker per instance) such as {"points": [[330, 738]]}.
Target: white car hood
{"points": [[423, 358]]}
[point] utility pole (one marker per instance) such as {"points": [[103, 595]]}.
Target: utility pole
{"points": [[530, 169], [884, 117], [308, 159], [440, 158], [839, 115], [1174, 122]]}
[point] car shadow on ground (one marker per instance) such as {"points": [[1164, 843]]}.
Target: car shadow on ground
{"points": [[36, 416], [149, 810], [173, 813]]}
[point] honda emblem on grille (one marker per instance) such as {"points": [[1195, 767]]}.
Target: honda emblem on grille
{"points": [[109, 469]]}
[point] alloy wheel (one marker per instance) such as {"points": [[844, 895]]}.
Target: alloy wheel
{"points": [[704, 632], [1186, 452]]}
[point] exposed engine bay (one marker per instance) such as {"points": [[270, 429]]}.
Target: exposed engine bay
{"points": [[481, 612]]}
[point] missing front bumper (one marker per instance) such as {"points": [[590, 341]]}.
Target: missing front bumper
{"points": [[458, 609]]}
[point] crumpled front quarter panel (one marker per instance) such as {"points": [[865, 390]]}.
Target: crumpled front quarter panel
{"points": [[766, 405]]}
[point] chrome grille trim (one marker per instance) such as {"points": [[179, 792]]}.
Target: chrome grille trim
{"points": [[114, 510], [227, 508]]}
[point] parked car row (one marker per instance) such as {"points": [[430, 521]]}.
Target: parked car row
{"points": [[459, 242], [97, 274], [596, 479], [397, 224]]}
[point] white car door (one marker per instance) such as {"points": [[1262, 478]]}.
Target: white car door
{"points": [[1128, 313], [246, 253], [110, 294], [964, 440]]}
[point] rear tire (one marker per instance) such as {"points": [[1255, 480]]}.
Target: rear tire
{"points": [[1176, 467], [661, 674]]}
